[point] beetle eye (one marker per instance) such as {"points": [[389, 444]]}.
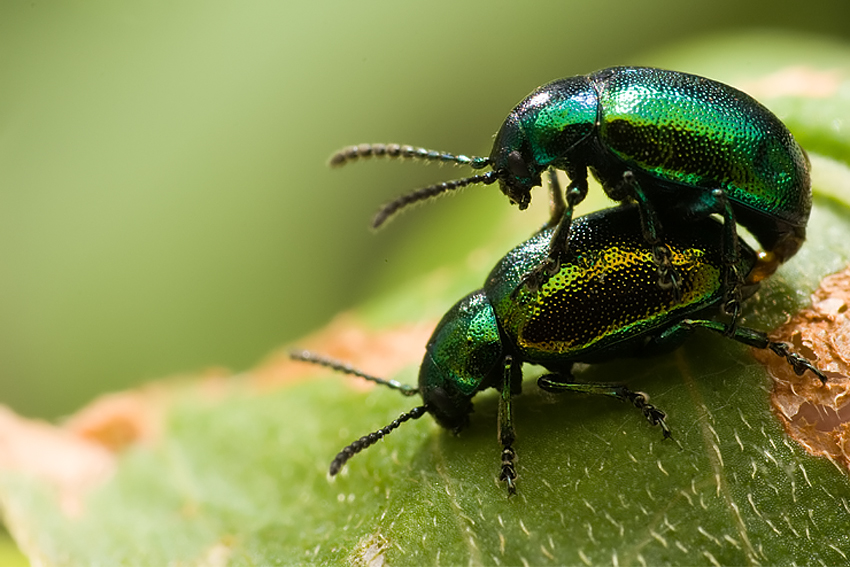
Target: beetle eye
{"points": [[517, 166], [445, 409], [440, 401]]}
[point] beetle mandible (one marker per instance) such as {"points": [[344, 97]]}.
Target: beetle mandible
{"points": [[603, 303], [672, 142]]}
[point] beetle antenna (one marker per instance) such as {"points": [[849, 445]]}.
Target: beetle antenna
{"points": [[307, 356], [369, 440], [391, 208], [398, 151]]}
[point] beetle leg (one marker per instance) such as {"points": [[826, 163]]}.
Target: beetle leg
{"points": [[557, 206], [506, 434], [575, 194], [557, 383], [759, 340], [668, 277], [732, 297], [732, 280]]}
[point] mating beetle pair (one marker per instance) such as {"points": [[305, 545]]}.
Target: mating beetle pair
{"points": [[616, 283], [602, 303], [671, 142]]}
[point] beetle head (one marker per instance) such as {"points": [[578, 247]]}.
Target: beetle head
{"points": [[513, 163], [462, 357], [545, 130]]}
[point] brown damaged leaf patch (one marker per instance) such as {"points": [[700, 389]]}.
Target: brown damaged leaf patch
{"points": [[817, 416], [116, 421], [70, 463], [82, 453]]}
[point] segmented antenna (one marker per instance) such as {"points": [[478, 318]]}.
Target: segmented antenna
{"points": [[369, 440], [398, 151], [307, 356], [391, 208]]}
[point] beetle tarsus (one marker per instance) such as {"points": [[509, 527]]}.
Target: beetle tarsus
{"points": [[508, 474], [797, 362], [668, 277], [652, 414]]}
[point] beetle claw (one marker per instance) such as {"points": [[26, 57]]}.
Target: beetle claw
{"points": [[668, 277]]}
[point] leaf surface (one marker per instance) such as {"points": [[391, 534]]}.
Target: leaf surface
{"points": [[232, 469]]}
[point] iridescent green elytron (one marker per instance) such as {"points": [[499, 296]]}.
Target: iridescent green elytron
{"points": [[597, 301], [602, 303], [674, 143], [602, 297], [694, 132]]}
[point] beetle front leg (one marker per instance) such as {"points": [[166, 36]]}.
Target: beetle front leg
{"points": [[512, 381], [668, 277], [557, 383], [558, 244], [557, 206], [575, 194]]}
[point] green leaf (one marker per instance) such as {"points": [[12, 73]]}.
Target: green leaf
{"points": [[232, 469]]}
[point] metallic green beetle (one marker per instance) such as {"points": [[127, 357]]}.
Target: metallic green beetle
{"points": [[603, 303], [677, 144]]}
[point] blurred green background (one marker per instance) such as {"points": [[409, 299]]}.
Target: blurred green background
{"points": [[165, 204]]}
